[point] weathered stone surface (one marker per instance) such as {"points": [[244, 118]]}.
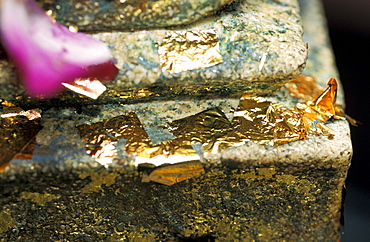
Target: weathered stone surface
{"points": [[285, 192], [260, 203], [103, 15], [254, 29], [260, 43]]}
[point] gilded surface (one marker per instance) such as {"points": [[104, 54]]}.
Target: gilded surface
{"points": [[251, 192], [18, 129], [126, 139], [261, 203], [209, 132], [108, 139], [174, 173], [93, 15], [264, 122], [189, 50]]}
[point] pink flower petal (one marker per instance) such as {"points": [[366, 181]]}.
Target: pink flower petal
{"points": [[104, 72], [46, 53]]}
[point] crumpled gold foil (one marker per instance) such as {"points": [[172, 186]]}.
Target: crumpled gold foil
{"points": [[267, 123], [125, 133], [210, 128], [314, 113], [189, 50], [105, 139], [174, 173], [304, 87], [18, 129], [255, 119], [321, 103], [323, 107]]}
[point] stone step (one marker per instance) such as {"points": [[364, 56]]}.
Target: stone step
{"points": [[61, 190], [255, 47]]}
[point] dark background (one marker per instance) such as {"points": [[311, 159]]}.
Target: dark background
{"points": [[349, 27]]}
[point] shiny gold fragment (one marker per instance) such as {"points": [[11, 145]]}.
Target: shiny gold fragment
{"points": [[304, 87], [18, 129], [91, 88], [172, 174], [102, 138], [256, 119], [321, 101], [323, 107], [264, 122], [189, 50], [340, 113], [320, 110], [211, 128], [10, 110]]}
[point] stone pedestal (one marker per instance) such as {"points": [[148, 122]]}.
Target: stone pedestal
{"points": [[247, 192]]}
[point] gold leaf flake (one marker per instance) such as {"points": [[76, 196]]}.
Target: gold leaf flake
{"points": [[171, 174], [189, 50], [18, 129]]}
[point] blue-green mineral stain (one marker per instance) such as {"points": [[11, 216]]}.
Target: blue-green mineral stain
{"points": [[147, 64]]}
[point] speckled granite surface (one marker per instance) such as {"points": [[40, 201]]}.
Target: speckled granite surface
{"points": [[258, 48], [290, 191]]}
